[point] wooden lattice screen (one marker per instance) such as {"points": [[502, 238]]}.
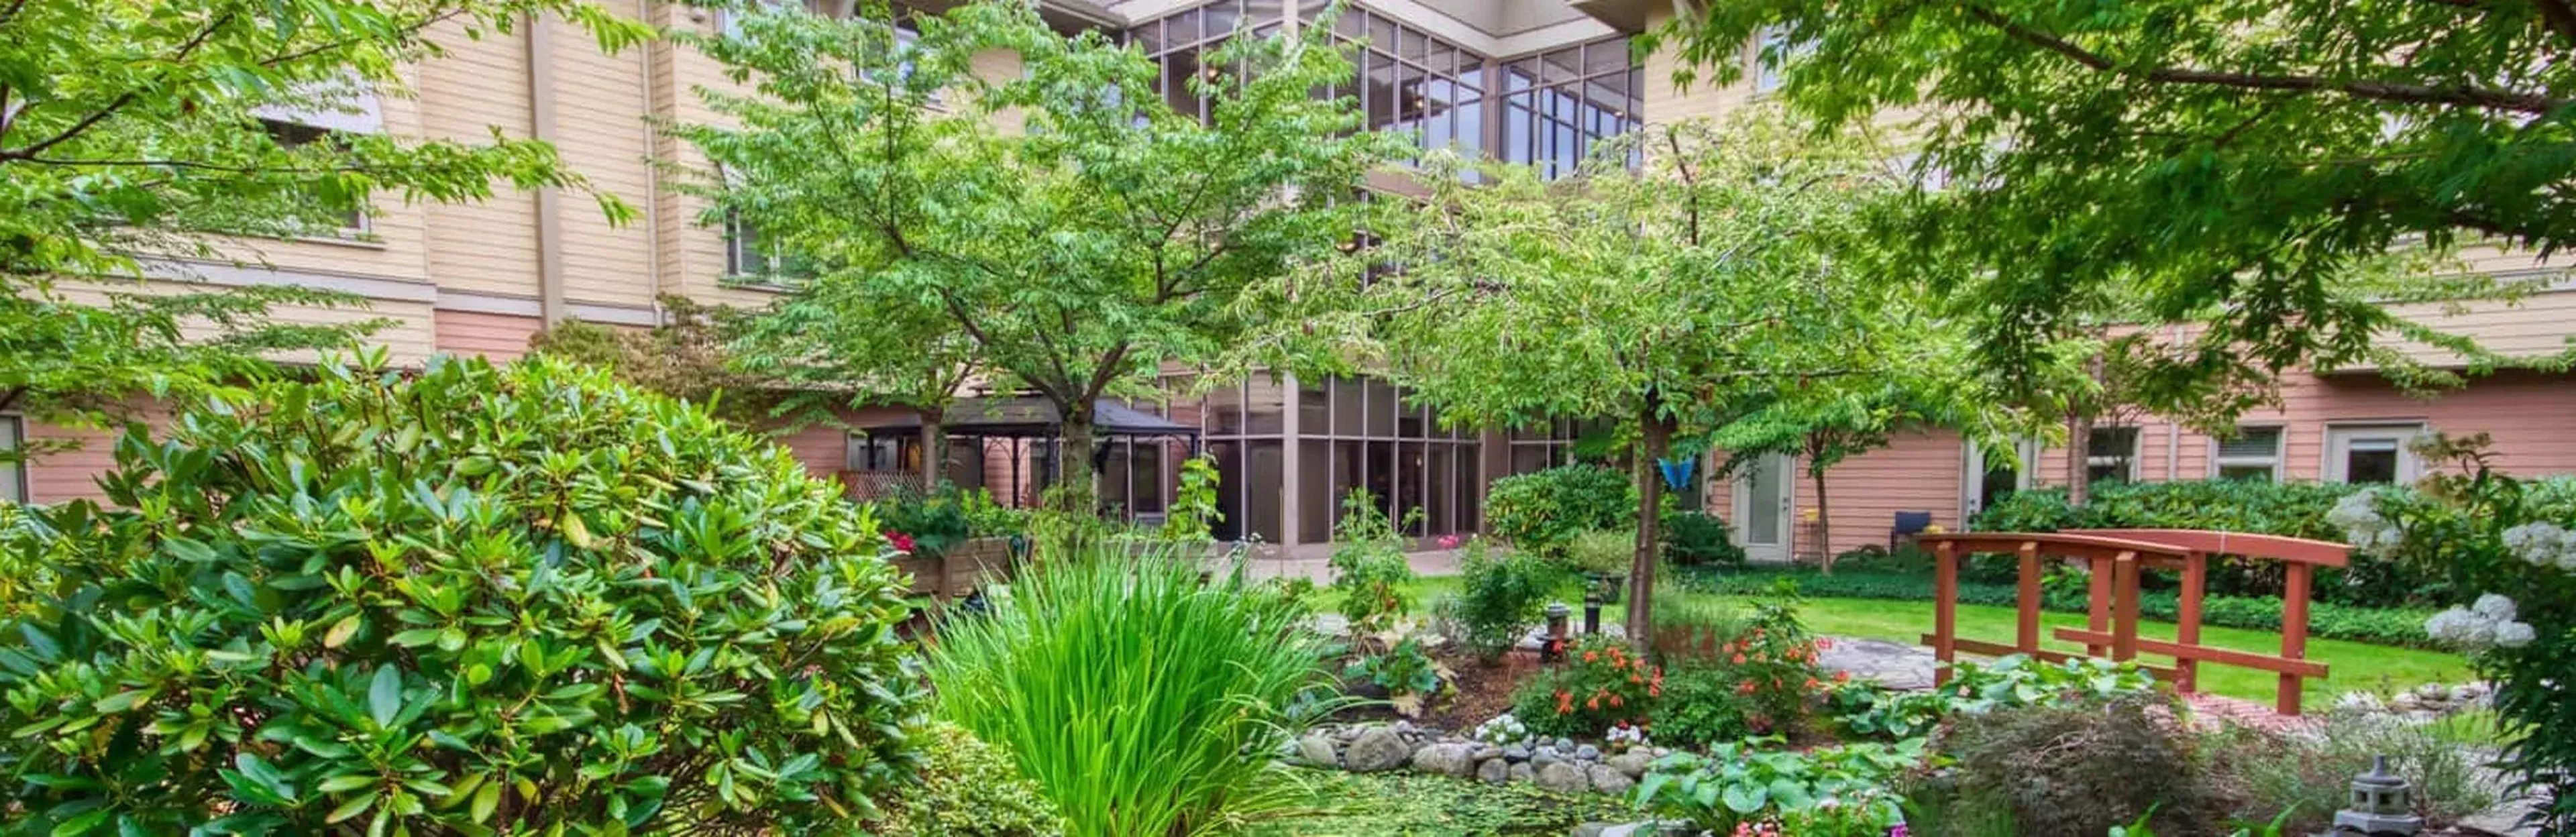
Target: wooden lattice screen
{"points": [[2115, 558]]}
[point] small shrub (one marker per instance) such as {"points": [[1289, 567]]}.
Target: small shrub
{"points": [[933, 521], [1755, 782], [1905, 559], [988, 518], [1689, 629], [1541, 511], [1406, 673], [1867, 708], [468, 600], [1700, 706], [1765, 675], [1140, 698], [2308, 774], [1500, 598], [1694, 538], [1369, 568], [1602, 684], [967, 788], [2085, 768], [1603, 552]]}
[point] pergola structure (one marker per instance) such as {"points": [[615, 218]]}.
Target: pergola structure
{"points": [[1033, 431]]}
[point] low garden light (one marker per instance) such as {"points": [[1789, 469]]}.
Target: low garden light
{"points": [[2382, 803], [1558, 615]]}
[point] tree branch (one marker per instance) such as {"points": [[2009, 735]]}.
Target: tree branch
{"points": [[2386, 91], [2560, 16], [92, 120]]}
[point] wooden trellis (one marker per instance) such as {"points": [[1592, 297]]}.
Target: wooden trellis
{"points": [[2116, 557]]}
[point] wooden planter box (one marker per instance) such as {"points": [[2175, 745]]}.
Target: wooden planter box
{"points": [[959, 570]]}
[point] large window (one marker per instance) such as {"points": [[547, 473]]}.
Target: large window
{"points": [[294, 135], [2254, 453], [1176, 41], [2111, 455], [2371, 453], [1409, 82], [1559, 104]]}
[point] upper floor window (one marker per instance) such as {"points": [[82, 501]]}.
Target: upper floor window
{"points": [[747, 253], [13, 471], [1559, 104], [1773, 52], [2111, 455], [2254, 453], [294, 135]]}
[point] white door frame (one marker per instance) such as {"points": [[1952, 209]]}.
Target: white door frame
{"points": [[1741, 498], [1972, 475]]}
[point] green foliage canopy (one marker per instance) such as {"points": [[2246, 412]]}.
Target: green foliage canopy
{"points": [[131, 134], [1062, 225], [2241, 165]]}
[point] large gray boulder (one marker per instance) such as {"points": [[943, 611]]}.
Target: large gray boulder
{"points": [[1380, 748], [1445, 759], [1317, 749], [1632, 763], [1494, 771], [1607, 779], [1519, 772], [1563, 777]]}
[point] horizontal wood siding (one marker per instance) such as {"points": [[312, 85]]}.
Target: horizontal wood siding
{"points": [[501, 337]]}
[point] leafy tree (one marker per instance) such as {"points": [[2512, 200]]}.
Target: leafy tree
{"points": [[1066, 221], [2244, 166], [1835, 420], [130, 133], [1659, 296], [899, 352], [686, 357]]}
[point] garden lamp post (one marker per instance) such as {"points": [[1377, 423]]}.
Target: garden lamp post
{"points": [[2382, 803]]}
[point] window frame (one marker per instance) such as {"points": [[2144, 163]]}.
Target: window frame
{"points": [[2137, 447], [2220, 461], [14, 487], [283, 129], [2336, 460]]}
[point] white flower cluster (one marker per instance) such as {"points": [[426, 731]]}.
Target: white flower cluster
{"points": [[1625, 734], [2488, 623], [2357, 514], [2542, 544], [1502, 730]]}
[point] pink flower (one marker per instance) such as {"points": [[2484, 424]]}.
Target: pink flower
{"points": [[1448, 541], [900, 541]]}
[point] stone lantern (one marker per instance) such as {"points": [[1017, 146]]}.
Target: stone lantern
{"points": [[1554, 647], [2382, 803]]}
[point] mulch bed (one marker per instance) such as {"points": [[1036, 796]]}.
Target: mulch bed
{"points": [[1479, 692]]}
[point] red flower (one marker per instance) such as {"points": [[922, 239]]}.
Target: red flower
{"points": [[1825, 644], [1811, 684], [1842, 677], [1594, 703], [1739, 659], [1655, 690], [1615, 702], [900, 541], [1744, 688]]}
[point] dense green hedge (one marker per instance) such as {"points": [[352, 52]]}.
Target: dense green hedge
{"points": [[2291, 509], [1543, 510], [2383, 626]]}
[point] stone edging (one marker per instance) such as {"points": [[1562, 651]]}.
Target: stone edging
{"points": [[1561, 766]]}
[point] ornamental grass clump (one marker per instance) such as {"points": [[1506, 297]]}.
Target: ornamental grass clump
{"points": [[467, 600], [1141, 699]]}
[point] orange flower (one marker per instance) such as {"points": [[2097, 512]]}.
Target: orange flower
{"points": [[1590, 656], [1842, 677], [1635, 679], [1744, 688], [1615, 702], [1811, 684], [1655, 690], [1739, 659], [1594, 703]]}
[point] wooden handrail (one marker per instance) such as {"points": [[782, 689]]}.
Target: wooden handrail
{"points": [[2116, 558]]}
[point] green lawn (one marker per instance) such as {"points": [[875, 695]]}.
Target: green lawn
{"points": [[2352, 665]]}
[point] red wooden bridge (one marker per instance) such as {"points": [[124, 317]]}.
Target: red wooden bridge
{"points": [[2115, 558]]}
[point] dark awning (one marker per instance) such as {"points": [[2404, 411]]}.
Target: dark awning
{"points": [[1032, 418]]}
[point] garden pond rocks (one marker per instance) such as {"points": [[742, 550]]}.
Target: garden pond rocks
{"points": [[1560, 765], [2422, 704]]}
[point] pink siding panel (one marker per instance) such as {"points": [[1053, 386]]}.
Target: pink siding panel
{"points": [[1915, 473], [501, 337]]}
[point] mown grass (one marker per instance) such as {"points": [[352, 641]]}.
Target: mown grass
{"points": [[2352, 665]]}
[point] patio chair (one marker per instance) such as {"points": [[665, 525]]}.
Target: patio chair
{"points": [[1908, 525]]}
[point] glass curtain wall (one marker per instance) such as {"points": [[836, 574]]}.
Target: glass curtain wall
{"points": [[1558, 104], [1370, 439], [1176, 41], [1409, 82]]}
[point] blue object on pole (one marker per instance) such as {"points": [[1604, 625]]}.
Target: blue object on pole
{"points": [[1677, 472]]}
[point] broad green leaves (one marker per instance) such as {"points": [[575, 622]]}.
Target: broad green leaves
{"points": [[1058, 227], [2269, 173], [305, 613]]}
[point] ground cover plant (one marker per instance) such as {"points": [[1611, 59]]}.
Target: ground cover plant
{"points": [[462, 599], [1841, 791], [1140, 699], [1400, 804]]}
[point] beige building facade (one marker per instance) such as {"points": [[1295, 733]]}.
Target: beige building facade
{"points": [[1528, 81]]}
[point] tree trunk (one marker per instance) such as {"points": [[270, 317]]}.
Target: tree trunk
{"points": [[2079, 447], [934, 446], [1824, 522], [1655, 438], [1073, 461]]}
